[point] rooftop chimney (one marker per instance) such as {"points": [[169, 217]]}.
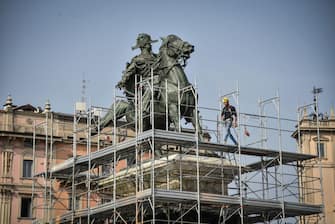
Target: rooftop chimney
{"points": [[47, 107], [9, 103]]}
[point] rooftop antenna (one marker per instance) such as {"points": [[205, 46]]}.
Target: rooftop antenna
{"points": [[83, 89], [316, 92], [80, 106]]}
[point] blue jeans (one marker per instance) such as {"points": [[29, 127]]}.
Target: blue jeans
{"points": [[228, 123]]}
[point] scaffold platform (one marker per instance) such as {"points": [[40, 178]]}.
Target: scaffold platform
{"points": [[124, 206], [172, 138]]}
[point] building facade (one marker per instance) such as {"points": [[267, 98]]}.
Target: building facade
{"points": [[317, 137], [31, 141]]}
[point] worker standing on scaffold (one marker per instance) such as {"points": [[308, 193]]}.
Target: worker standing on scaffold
{"points": [[229, 117]]}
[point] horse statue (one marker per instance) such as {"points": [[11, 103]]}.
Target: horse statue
{"points": [[168, 77]]}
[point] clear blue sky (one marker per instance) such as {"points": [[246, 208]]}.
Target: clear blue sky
{"points": [[47, 46]]}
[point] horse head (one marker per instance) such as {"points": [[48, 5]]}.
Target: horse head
{"points": [[176, 48]]}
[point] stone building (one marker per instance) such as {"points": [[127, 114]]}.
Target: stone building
{"points": [[22, 129], [307, 133]]}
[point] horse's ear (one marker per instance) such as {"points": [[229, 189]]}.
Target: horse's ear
{"points": [[164, 39]]}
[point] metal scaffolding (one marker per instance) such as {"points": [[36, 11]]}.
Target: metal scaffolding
{"points": [[42, 183], [170, 175]]}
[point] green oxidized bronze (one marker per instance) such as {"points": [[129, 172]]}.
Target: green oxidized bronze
{"points": [[168, 76]]}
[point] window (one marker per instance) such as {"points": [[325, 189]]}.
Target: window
{"points": [[77, 202], [27, 168], [7, 163], [26, 207], [321, 150]]}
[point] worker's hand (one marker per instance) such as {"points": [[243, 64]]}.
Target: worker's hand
{"points": [[234, 124]]}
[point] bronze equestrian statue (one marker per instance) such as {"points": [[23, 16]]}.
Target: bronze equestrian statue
{"points": [[167, 70]]}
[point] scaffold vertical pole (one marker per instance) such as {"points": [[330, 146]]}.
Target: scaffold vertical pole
{"points": [[220, 122], [89, 118], [179, 113], [263, 138], [298, 128], [140, 105], [166, 107], [74, 154], [45, 206], [197, 150], [99, 121], [316, 106], [153, 146], [262, 119], [114, 159], [34, 168], [303, 188], [51, 164], [239, 155], [302, 168], [280, 157], [136, 153]]}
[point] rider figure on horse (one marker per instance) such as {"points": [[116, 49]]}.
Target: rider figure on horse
{"points": [[140, 64]]}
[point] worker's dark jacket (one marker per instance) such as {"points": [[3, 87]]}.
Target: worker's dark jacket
{"points": [[228, 112]]}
